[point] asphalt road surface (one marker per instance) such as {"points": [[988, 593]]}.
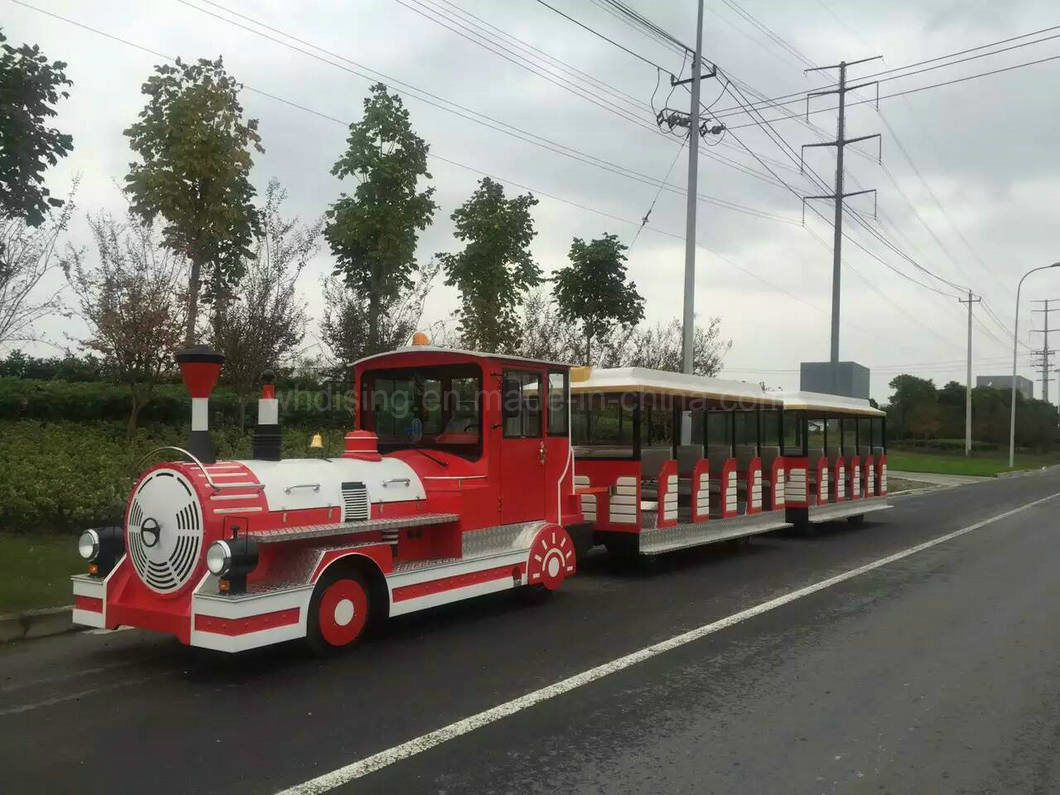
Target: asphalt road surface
{"points": [[935, 672]]}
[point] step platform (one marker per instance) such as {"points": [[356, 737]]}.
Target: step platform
{"points": [[843, 510], [667, 539]]}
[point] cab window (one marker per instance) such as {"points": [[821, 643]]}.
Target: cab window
{"points": [[522, 399], [424, 407], [558, 401]]}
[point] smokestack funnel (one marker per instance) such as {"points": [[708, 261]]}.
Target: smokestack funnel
{"points": [[200, 366], [268, 441]]}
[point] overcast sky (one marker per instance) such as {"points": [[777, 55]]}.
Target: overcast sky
{"points": [[985, 149]]}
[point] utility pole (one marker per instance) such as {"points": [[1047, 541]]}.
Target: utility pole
{"points": [[968, 390], [838, 196], [689, 319], [1045, 353]]}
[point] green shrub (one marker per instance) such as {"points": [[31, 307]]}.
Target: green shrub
{"points": [[65, 476], [56, 400]]}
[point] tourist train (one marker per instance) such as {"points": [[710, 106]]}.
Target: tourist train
{"points": [[465, 474]]}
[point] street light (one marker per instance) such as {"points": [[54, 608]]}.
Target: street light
{"points": [[1015, 342]]}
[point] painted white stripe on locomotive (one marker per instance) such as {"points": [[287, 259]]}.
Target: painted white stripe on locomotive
{"points": [[370, 764], [453, 595], [245, 509], [200, 413]]}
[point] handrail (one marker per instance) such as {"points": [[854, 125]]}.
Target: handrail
{"points": [[205, 474]]}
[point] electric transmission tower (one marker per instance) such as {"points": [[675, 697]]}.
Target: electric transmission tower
{"points": [[1044, 362], [837, 197]]}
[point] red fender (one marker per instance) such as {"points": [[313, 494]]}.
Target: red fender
{"points": [[551, 558]]}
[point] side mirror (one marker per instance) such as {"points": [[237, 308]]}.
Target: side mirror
{"points": [[511, 398]]}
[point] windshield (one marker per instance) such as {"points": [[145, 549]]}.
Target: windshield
{"points": [[437, 407]]}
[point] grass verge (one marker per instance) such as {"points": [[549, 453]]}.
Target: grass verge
{"points": [[986, 464], [35, 570]]}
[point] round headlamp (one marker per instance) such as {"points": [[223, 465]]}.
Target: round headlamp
{"points": [[219, 558], [88, 545]]}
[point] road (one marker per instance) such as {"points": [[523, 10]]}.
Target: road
{"points": [[935, 672]]}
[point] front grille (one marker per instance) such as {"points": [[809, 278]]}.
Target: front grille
{"points": [[355, 505]]}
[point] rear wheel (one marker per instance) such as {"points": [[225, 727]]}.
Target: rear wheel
{"points": [[338, 612]]}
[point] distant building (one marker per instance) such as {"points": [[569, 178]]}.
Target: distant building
{"points": [[1024, 385], [849, 379]]}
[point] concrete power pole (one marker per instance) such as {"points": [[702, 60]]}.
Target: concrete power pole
{"points": [[689, 317], [1045, 353], [968, 390], [838, 196]]}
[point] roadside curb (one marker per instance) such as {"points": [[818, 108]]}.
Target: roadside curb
{"points": [[1022, 473], [36, 623]]}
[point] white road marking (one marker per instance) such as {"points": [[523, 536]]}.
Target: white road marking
{"points": [[370, 764]]}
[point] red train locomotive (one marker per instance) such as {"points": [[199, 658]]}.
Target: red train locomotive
{"points": [[461, 479]]}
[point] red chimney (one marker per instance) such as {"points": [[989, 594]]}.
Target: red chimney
{"points": [[200, 366]]}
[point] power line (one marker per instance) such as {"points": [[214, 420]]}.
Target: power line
{"points": [[918, 89], [796, 96], [600, 35], [432, 155], [469, 114]]}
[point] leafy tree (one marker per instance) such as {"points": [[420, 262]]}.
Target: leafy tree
{"points": [[131, 297], [28, 256], [346, 316], [495, 269], [196, 152], [264, 320], [593, 292], [912, 407], [373, 233], [30, 86]]}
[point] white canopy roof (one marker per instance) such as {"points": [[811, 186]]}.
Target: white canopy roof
{"points": [[819, 401], [663, 382]]}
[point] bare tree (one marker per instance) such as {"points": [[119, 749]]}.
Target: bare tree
{"points": [[27, 255], [346, 313], [263, 319], [659, 347], [132, 298]]}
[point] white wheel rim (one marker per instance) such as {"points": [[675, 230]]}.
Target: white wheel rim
{"points": [[553, 566], [344, 612]]}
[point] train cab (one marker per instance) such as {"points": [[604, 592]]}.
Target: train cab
{"points": [[667, 460], [842, 442]]}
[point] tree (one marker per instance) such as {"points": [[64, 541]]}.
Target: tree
{"points": [[28, 256], [264, 320], [495, 269], [543, 334], [373, 233], [593, 292], [132, 299], [196, 153], [913, 405], [659, 348], [346, 316], [30, 86]]}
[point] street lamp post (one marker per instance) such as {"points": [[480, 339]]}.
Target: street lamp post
{"points": [[1015, 342]]}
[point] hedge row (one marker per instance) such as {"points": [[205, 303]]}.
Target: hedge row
{"points": [[88, 401], [64, 476], [943, 445]]}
